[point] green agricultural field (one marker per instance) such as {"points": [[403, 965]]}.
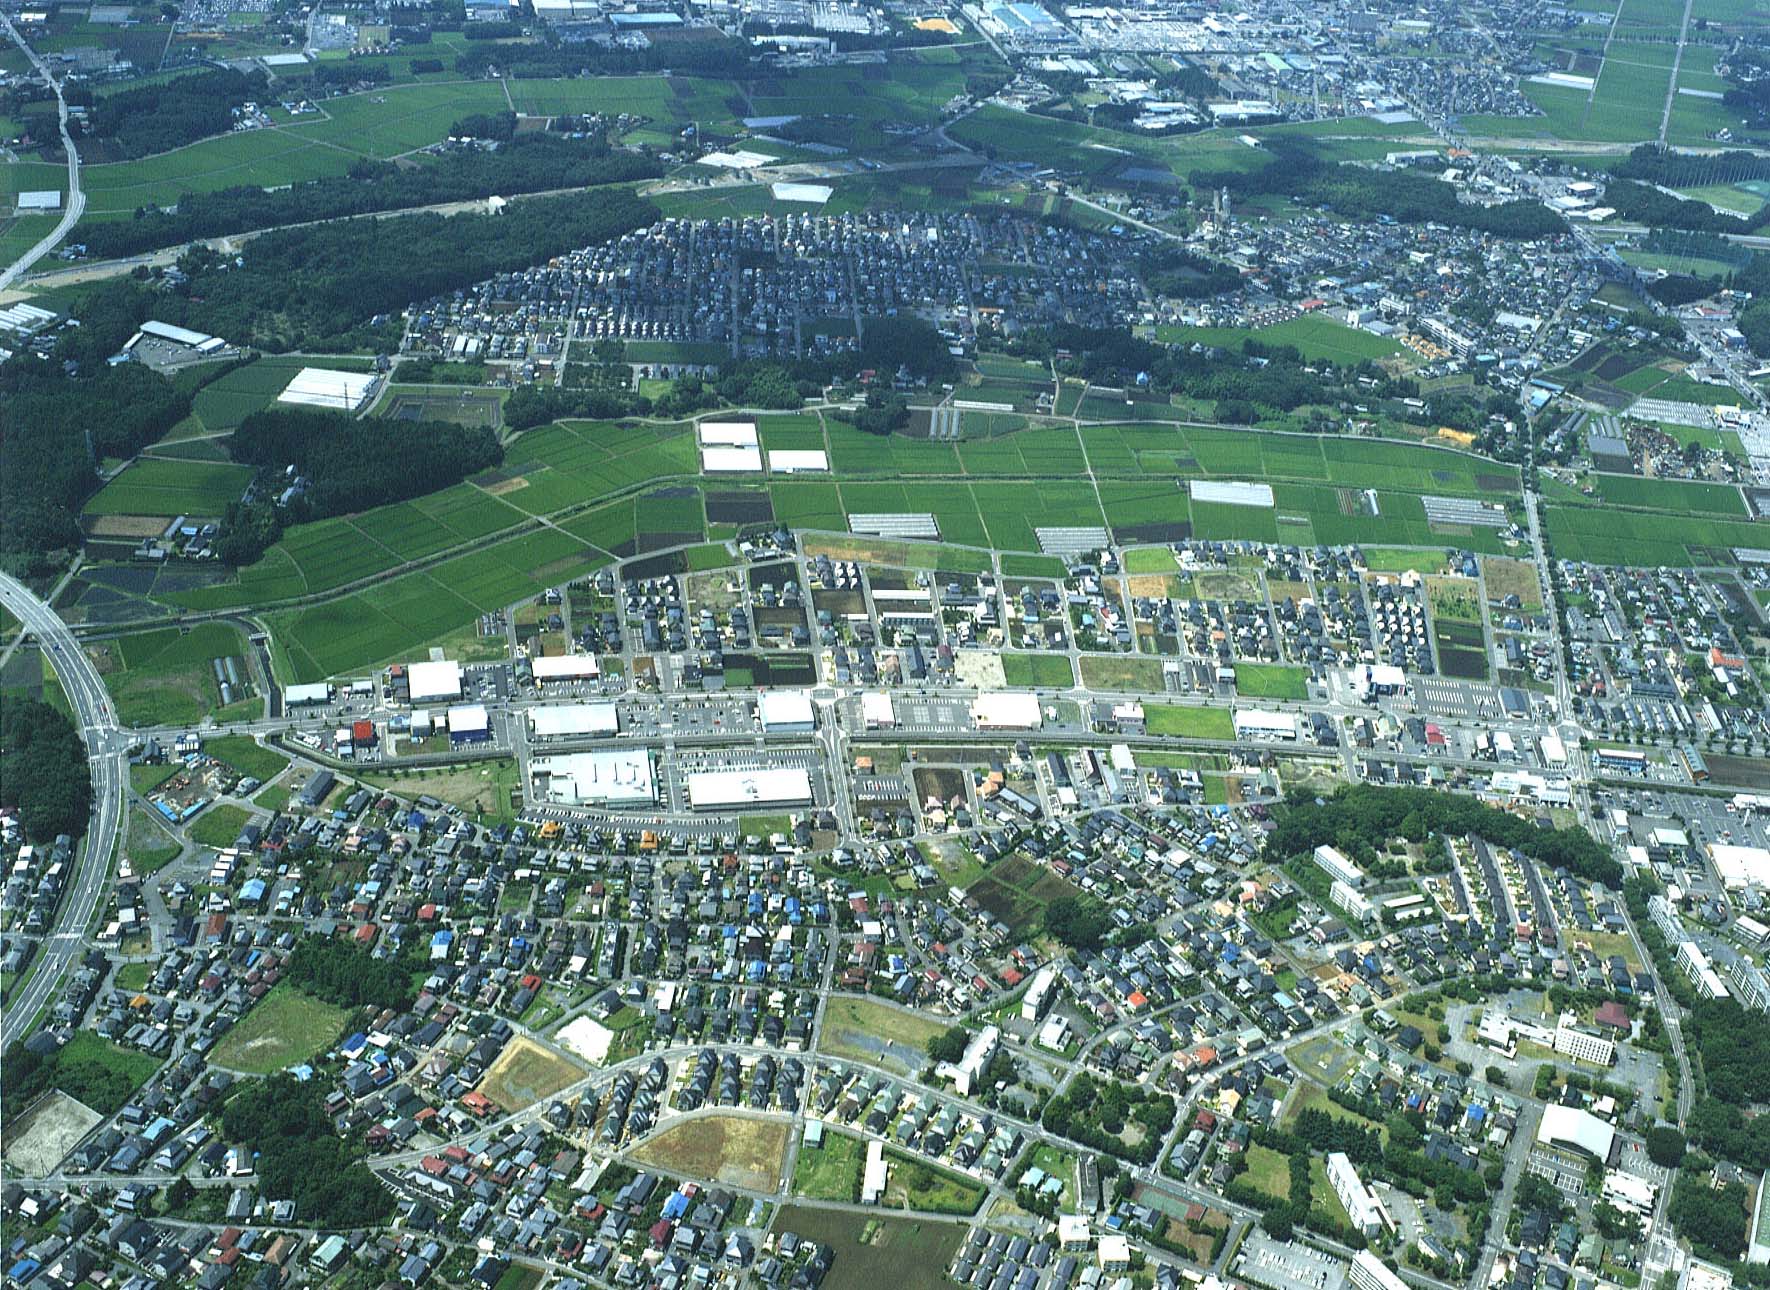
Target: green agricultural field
{"points": [[1671, 495], [1043, 671], [1271, 681], [1188, 722], [1315, 337], [152, 486], [166, 676], [284, 1028]]}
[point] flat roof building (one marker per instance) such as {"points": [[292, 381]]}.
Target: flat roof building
{"points": [[1252, 723], [1571, 1129], [322, 387], [786, 712], [434, 682], [573, 720], [564, 667], [608, 778], [715, 790], [1005, 710]]}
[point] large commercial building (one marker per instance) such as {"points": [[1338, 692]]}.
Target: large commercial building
{"points": [[1363, 1209], [1007, 710], [434, 682], [724, 790], [1740, 866], [876, 710], [1252, 723], [786, 712], [573, 720], [612, 778], [1570, 1129], [321, 387], [298, 696], [567, 668]]}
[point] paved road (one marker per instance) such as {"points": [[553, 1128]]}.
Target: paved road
{"points": [[75, 205], [107, 747]]}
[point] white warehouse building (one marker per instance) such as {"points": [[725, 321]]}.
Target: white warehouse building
{"points": [[723, 790], [610, 779], [573, 720]]}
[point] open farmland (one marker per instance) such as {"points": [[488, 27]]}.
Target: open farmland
{"points": [[166, 676], [154, 486]]}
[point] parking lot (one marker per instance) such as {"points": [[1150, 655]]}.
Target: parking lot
{"points": [[1288, 1265]]}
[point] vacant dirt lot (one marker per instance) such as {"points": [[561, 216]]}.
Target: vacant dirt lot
{"points": [[525, 1073], [731, 1149], [51, 1129]]}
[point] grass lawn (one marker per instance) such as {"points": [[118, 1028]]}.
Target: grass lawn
{"points": [[134, 976], [144, 778], [832, 1170], [246, 755], [913, 1183], [1271, 681], [483, 788], [1268, 1171], [1189, 722], [286, 1028], [1122, 672], [100, 1074], [1150, 559], [1044, 671], [219, 825], [867, 1031]]}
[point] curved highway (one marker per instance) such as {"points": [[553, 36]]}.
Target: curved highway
{"points": [[107, 750], [75, 206]]}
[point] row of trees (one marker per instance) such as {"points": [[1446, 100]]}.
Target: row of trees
{"points": [[1396, 196], [1360, 820], [316, 287], [44, 774], [527, 164]]}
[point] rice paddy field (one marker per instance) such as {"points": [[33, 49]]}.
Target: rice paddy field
{"points": [[154, 486], [351, 592]]}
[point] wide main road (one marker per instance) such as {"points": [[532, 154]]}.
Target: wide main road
{"points": [[107, 751], [75, 206]]}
